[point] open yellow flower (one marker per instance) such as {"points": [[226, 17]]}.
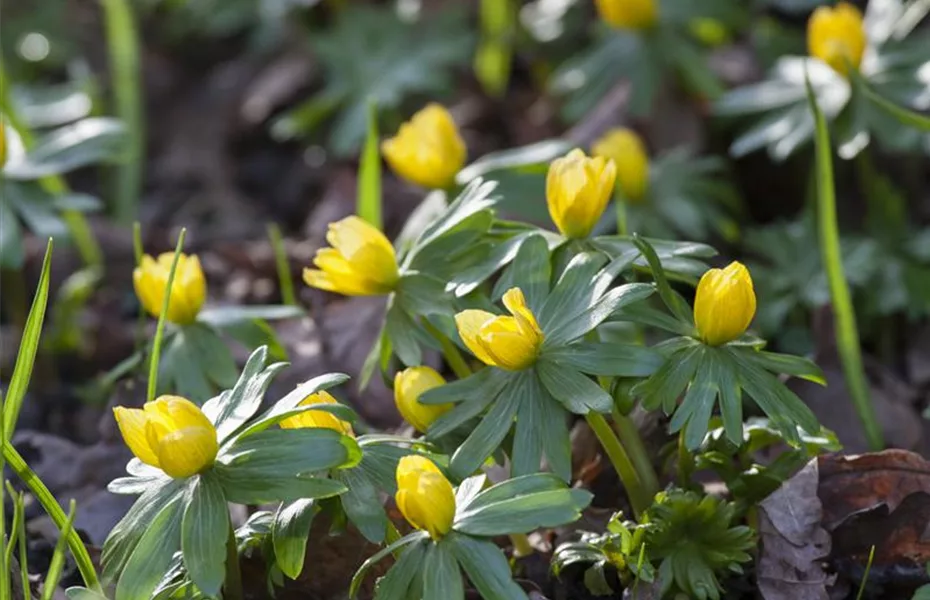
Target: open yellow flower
{"points": [[427, 149], [578, 189], [170, 433], [408, 385], [424, 496], [361, 261], [724, 305], [318, 418], [628, 14], [507, 342], [836, 36], [628, 152], [188, 290]]}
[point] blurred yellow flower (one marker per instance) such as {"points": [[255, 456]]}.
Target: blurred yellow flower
{"points": [[725, 304], [628, 152], [408, 385], [361, 261], [188, 290], [578, 189], [318, 418], [424, 496], [836, 36], [427, 149], [170, 433], [628, 14], [507, 342]]}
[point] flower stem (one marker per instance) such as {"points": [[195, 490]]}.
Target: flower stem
{"points": [[160, 329], [633, 442], [449, 351], [620, 460], [621, 213], [232, 587], [285, 280]]}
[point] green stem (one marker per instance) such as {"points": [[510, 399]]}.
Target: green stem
{"points": [[633, 442], [232, 587], [449, 350], [621, 213], [521, 545], [621, 462], [160, 329], [284, 269], [47, 500]]}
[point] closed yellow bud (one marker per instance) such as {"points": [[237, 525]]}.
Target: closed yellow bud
{"points": [[318, 418], [510, 343], [170, 433], [408, 385], [578, 189], [424, 496], [836, 36], [427, 149], [628, 14], [724, 304], [628, 152], [361, 261], [188, 290]]}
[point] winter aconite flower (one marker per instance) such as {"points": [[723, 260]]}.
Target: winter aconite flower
{"points": [[188, 290], [318, 418], [427, 149], [578, 189], [361, 261], [170, 433], [628, 14], [836, 36], [510, 343], [408, 385], [629, 154], [724, 304], [424, 496]]}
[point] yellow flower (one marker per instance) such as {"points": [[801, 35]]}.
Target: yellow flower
{"points": [[507, 342], [836, 36], [628, 152], [408, 385], [724, 304], [188, 290], [628, 14], [361, 261], [318, 418], [170, 433], [427, 149], [578, 189], [424, 496]]}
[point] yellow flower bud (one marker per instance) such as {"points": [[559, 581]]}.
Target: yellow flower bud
{"points": [[424, 496], [507, 342], [628, 152], [427, 149], [170, 433], [724, 304], [628, 14], [318, 418], [361, 261], [188, 290], [578, 189], [408, 385], [836, 36]]}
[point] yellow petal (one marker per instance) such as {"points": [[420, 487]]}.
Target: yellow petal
{"points": [[131, 422], [836, 35], [510, 349], [187, 451], [424, 496], [628, 14], [724, 304], [409, 384], [318, 418], [515, 302], [427, 150], [578, 190], [188, 290], [469, 323]]}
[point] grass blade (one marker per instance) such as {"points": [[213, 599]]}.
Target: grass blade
{"points": [[285, 280], [58, 558], [160, 329], [368, 204]]}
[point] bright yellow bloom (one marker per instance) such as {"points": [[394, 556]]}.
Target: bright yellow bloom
{"points": [[427, 149], [361, 261], [507, 342], [578, 189], [836, 36], [628, 14], [724, 304], [170, 433], [424, 496], [188, 290], [628, 152], [408, 385], [318, 418]]}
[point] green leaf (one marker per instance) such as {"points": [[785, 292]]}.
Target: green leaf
{"points": [[212, 354], [673, 301], [296, 396], [88, 141], [484, 383], [486, 567], [403, 335], [289, 533], [153, 554], [400, 579], [576, 392], [441, 575], [362, 504], [416, 537], [35, 207], [666, 384], [696, 408], [465, 282], [609, 359], [531, 271], [289, 452], [539, 153], [557, 445], [789, 365], [573, 328], [224, 316], [539, 429], [468, 490], [904, 116], [28, 346], [257, 332], [231, 409], [485, 439], [80, 593], [180, 371], [518, 486], [368, 204], [252, 486], [203, 545], [573, 292]]}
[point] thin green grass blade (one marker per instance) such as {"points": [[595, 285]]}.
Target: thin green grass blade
{"points": [[160, 329], [21, 538], [16, 525], [368, 204], [58, 558], [847, 334], [285, 280]]}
